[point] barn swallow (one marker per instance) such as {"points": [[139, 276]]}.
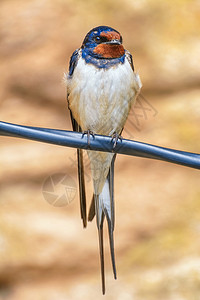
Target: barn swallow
{"points": [[101, 89]]}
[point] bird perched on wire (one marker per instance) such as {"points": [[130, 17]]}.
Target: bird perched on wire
{"points": [[101, 88]]}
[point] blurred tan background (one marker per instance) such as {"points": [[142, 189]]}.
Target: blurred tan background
{"points": [[44, 252]]}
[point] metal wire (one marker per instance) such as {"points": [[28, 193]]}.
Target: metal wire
{"points": [[100, 143]]}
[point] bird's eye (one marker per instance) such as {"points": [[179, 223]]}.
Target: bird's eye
{"points": [[97, 39]]}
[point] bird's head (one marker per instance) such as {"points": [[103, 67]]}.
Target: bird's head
{"points": [[103, 42]]}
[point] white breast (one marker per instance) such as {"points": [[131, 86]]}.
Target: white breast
{"points": [[100, 99]]}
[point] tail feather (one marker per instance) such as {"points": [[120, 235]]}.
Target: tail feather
{"points": [[111, 240], [110, 177], [81, 178], [111, 186], [100, 219], [101, 250], [104, 207], [111, 218], [82, 187], [91, 213]]}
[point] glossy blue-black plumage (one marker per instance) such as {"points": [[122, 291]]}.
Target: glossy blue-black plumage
{"points": [[73, 62]]}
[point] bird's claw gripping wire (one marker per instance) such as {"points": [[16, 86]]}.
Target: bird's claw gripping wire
{"points": [[89, 133], [115, 138]]}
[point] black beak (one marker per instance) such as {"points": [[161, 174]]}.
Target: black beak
{"points": [[114, 42]]}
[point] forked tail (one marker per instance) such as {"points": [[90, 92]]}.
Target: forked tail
{"points": [[104, 207]]}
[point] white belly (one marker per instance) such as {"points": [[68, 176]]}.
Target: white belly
{"points": [[100, 99]]}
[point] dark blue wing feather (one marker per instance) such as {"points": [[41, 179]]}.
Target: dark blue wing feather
{"points": [[130, 59], [73, 61]]}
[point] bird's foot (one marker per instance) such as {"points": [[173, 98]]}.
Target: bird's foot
{"points": [[89, 133], [115, 138]]}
